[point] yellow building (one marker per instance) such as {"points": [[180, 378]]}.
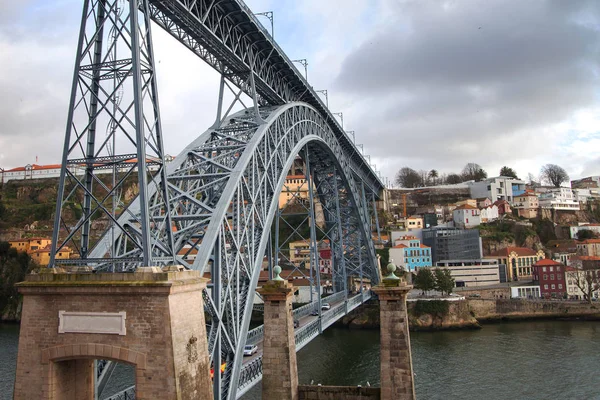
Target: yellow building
{"points": [[42, 256], [414, 222], [294, 189], [29, 245], [518, 261]]}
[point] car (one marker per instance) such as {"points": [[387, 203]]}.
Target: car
{"points": [[314, 312], [325, 306], [296, 323], [250, 349]]}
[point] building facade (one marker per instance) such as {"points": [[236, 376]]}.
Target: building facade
{"points": [[574, 230], [586, 183], [410, 253], [466, 216], [472, 273], [452, 243], [550, 276], [558, 199], [527, 205], [498, 188], [519, 261], [589, 247], [525, 292], [489, 213]]}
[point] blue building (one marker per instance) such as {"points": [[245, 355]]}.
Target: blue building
{"points": [[410, 253]]}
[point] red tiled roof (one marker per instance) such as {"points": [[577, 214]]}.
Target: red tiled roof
{"points": [[400, 246], [521, 252], [546, 262], [590, 241], [425, 247], [466, 207], [585, 258]]}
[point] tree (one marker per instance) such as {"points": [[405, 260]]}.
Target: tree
{"points": [[507, 171], [554, 174], [473, 172], [444, 282], [433, 175], [408, 178], [586, 276], [13, 268], [424, 280], [584, 234], [453, 179]]}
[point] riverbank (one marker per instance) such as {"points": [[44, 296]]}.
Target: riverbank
{"points": [[470, 314]]}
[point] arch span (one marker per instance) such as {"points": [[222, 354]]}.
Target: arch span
{"points": [[224, 190]]}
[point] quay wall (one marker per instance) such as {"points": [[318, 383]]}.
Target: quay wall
{"points": [[315, 392]]}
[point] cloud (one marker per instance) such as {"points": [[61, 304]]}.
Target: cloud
{"points": [[452, 82]]}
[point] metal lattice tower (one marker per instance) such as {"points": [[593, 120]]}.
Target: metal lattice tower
{"points": [[213, 207]]}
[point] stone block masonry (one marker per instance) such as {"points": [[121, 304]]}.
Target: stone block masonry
{"points": [[164, 335], [311, 392]]}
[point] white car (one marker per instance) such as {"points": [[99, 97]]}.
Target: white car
{"points": [[250, 349], [325, 306]]}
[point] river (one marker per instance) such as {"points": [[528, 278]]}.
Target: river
{"points": [[524, 360]]}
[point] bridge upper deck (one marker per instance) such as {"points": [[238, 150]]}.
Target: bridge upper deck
{"points": [[229, 37]]}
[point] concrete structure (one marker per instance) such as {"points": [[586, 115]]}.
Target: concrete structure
{"points": [[466, 216], [589, 247], [397, 380], [525, 292], [590, 227], [527, 205], [410, 253], [583, 196], [498, 188], [280, 372], [320, 392], [563, 257], [550, 276], [150, 319], [452, 243], [559, 199], [519, 261], [472, 273], [586, 183], [414, 222]]}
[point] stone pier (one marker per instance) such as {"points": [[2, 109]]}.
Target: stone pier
{"points": [[280, 372], [397, 381], [151, 319]]}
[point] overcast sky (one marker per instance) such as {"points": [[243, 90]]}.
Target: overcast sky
{"points": [[425, 84]]}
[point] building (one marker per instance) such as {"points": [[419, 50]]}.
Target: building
{"points": [[42, 256], [489, 213], [550, 276], [527, 205], [586, 183], [325, 260], [414, 222], [410, 253], [583, 196], [503, 207], [589, 247], [470, 273], [484, 202], [525, 292], [590, 227], [518, 260], [466, 202], [499, 188], [578, 278], [466, 216], [559, 199], [452, 243], [30, 245]]}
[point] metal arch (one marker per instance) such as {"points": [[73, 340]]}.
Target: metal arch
{"points": [[224, 192]]}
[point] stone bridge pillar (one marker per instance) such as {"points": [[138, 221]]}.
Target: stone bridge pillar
{"points": [[397, 381], [280, 372], [150, 319]]}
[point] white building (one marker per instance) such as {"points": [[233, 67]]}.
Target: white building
{"points": [[571, 277], [582, 196], [469, 273], [559, 199], [499, 188], [466, 216], [591, 227], [525, 292], [563, 257], [489, 213]]}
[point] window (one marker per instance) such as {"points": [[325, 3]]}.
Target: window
{"points": [[545, 277], [553, 286], [551, 269], [560, 285], [557, 269], [551, 277], [545, 286]]}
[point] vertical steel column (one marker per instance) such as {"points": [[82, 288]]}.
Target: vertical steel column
{"points": [[314, 252], [216, 297], [139, 133], [65, 156], [91, 136], [341, 233], [376, 217]]}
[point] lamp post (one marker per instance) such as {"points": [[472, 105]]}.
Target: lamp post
{"points": [[269, 15], [304, 63], [353, 137], [324, 92], [341, 115]]}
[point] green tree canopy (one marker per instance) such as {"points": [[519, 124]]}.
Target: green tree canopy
{"points": [[444, 282], [584, 234], [424, 280], [508, 171]]}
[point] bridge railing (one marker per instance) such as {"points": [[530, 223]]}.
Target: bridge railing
{"points": [[332, 315], [306, 333], [305, 310], [255, 335], [334, 297], [250, 374], [127, 394]]}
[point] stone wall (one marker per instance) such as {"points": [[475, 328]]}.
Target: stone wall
{"points": [[491, 310], [486, 293], [310, 392]]}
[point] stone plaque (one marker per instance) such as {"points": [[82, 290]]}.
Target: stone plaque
{"points": [[92, 322]]}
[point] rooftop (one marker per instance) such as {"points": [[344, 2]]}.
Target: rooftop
{"points": [[521, 252]]}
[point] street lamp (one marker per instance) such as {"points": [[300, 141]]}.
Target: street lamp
{"points": [[269, 15], [341, 115], [304, 63], [324, 91], [353, 137]]}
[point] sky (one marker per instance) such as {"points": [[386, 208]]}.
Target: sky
{"points": [[425, 84]]}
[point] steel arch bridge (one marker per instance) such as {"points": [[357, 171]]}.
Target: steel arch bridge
{"points": [[217, 200]]}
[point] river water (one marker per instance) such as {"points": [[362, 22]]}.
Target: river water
{"points": [[524, 360]]}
